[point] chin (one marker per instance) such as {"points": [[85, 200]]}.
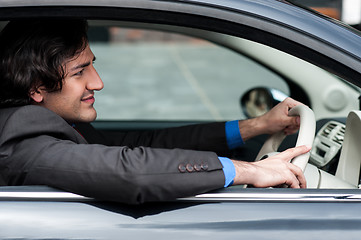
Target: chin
{"points": [[89, 117]]}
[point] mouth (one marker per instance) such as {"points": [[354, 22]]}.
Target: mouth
{"points": [[89, 99]]}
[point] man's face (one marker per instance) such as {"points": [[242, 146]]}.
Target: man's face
{"points": [[75, 101]]}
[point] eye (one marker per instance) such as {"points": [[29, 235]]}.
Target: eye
{"points": [[79, 73]]}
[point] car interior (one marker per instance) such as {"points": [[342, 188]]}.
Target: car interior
{"points": [[175, 75], [168, 76], [174, 63]]}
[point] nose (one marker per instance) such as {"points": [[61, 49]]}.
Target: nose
{"points": [[94, 80]]}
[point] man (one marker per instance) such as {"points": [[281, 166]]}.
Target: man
{"points": [[47, 85]]}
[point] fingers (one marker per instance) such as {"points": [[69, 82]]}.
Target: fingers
{"points": [[273, 171], [284, 172], [290, 102], [293, 125], [297, 178], [291, 153], [277, 119]]}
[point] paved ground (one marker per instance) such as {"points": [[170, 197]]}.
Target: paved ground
{"points": [[175, 81]]}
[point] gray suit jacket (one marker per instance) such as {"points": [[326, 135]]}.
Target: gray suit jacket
{"points": [[37, 147]]}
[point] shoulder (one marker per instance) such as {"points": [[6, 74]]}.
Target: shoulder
{"points": [[28, 115], [25, 110], [32, 120]]}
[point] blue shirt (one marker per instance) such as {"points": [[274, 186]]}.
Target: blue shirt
{"points": [[234, 140]]}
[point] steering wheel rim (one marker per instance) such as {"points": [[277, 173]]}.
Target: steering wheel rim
{"points": [[306, 136]]}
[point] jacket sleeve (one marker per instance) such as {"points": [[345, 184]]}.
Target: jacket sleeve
{"points": [[206, 137], [57, 158]]}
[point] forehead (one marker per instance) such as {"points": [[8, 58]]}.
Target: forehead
{"points": [[85, 56]]}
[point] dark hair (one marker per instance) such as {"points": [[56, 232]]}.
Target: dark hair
{"points": [[33, 53]]}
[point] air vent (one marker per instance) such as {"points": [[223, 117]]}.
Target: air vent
{"points": [[339, 136], [334, 131], [327, 143], [328, 129]]}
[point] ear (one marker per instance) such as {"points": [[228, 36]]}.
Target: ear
{"points": [[37, 95]]}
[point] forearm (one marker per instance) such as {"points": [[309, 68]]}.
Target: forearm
{"points": [[204, 137], [251, 127], [117, 173]]}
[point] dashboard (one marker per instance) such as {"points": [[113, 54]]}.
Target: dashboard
{"points": [[327, 146]]}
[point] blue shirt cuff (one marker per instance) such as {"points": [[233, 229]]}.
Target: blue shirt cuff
{"points": [[228, 170], [233, 135]]}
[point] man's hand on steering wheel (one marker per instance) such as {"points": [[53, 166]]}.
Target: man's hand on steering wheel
{"points": [[275, 120], [273, 171], [276, 169]]}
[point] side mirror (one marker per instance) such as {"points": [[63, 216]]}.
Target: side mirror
{"points": [[258, 101]]}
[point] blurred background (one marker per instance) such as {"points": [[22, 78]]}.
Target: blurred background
{"points": [[348, 11], [170, 76]]}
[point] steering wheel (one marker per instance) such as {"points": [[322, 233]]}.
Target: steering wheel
{"points": [[306, 135]]}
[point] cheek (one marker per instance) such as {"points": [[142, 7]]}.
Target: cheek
{"points": [[72, 93], [62, 102]]}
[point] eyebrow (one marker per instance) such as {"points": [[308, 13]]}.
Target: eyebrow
{"points": [[83, 65]]}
